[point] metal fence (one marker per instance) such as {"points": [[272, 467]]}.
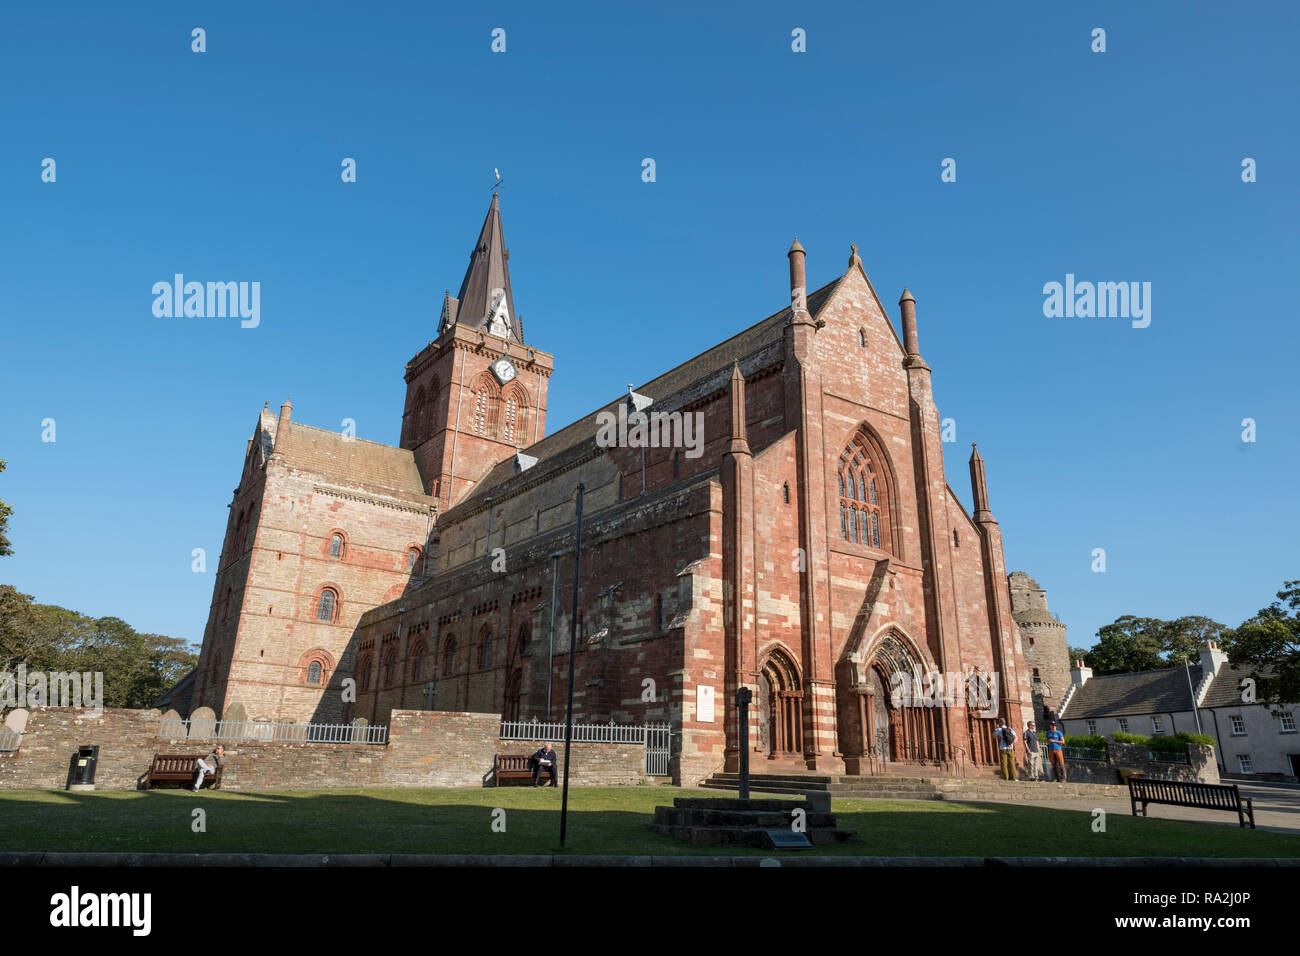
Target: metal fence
{"points": [[9, 740], [656, 738], [275, 731], [1083, 753], [1168, 756]]}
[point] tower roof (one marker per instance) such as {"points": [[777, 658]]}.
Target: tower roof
{"points": [[485, 301]]}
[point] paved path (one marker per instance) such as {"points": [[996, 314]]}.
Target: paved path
{"points": [[1277, 806]]}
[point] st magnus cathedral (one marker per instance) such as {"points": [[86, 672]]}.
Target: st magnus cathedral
{"points": [[811, 550]]}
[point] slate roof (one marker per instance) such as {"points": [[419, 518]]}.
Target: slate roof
{"points": [[709, 364], [1140, 692], [487, 271], [1225, 689], [351, 459]]}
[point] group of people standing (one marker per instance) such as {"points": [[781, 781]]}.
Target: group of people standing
{"points": [[1055, 740]]}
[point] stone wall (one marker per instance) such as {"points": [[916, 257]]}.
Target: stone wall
{"points": [[1201, 766], [425, 749]]}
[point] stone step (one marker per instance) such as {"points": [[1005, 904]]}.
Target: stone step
{"points": [[761, 819], [745, 836]]}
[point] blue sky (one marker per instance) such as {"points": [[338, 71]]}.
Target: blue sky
{"points": [[1115, 166]]}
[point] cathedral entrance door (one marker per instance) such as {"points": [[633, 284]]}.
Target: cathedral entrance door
{"points": [[782, 707]]}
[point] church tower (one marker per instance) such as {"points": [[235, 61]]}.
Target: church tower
{"points": [[475, 395]]}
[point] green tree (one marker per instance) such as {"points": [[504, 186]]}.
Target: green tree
{"points": [[1184, 638], [1129, 644], [5, 512], [1079, 654], [1268, 645]]}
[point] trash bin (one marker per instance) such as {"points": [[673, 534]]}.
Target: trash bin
{"points": [[83, 768]]}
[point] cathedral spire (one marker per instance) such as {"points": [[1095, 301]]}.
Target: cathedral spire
{"points": [[979, 484], [485, 301]]}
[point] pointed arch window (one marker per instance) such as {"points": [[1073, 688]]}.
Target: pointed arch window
{"points": [[485, 649], [448, 656], [862, 488]]}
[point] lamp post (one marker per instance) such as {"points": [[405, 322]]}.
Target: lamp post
{"points": [[573, 656], [743, 697]]}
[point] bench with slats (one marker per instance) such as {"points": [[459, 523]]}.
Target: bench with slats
{"points": [[179, 767], [513, 767], [1201, 796]]}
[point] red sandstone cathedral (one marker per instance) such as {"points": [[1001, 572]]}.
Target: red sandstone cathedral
{"points": [[813, 552]]}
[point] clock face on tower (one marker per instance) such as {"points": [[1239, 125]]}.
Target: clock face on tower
{"points": [[503, 370]]}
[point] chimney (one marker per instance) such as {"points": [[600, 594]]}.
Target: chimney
{"points": [[282, 427], [908, 306], [1212, 658], [798, 283], [1080, 674]]}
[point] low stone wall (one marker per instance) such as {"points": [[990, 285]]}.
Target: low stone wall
{"points": [[425, 749], [1200, 766]]}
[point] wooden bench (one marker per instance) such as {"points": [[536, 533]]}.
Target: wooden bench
{"points": [[181, 767], [513, 767], [1202, 796]]}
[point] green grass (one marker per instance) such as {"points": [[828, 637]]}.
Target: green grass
{"points": [[604, 820]]}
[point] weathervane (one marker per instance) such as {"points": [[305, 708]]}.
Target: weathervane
{"points": [[496, 172]]}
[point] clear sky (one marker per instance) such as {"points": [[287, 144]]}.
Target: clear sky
{"points": [[225, 165]]}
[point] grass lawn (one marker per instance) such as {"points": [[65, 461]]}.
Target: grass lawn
{"points": [[602, 820]]}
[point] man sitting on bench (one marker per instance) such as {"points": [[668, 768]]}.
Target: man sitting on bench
{"points": [[543, 762], [210, 764]]}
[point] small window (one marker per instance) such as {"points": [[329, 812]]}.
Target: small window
{"points": [[314, 672], [1245, 764], [659, 614], [1092, 726], [336, 546], [1157, 727], [1123, 724], [412, 556], [448, 656], [1287, 721], [1238, 725], [325, 608], [677, 470], [1036, 677], [485, 655], [620, 486], [785, 493], [956, 540], [862, 338], [1031, 642]]}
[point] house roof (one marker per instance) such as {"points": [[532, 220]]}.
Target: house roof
{"points": [[1225, 689], [1140, 692]]}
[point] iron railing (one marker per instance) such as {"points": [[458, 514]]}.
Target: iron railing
{"points": [[1083, 753], [9, 740], [275, 731], [656, 738], [1168, 756]]}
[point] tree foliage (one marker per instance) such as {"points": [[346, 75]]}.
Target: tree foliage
{"points": [[1148, 643], [1268, 644], [5, 512], [137, 667]]}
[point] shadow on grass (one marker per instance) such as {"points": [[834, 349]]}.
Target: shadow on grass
{"points": [[601, 821]]}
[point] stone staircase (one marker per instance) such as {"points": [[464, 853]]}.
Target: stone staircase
{"points": [[896, 785], [724, 821]]}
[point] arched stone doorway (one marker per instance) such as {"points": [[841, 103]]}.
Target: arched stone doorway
{"points": [[780, 708], [880, 727]]}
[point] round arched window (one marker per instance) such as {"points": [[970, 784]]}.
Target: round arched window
{"points": [[314, 672]]}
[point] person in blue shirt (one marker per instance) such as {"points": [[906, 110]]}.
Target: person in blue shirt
{"points": [[544, 763], [1055, 753]]}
